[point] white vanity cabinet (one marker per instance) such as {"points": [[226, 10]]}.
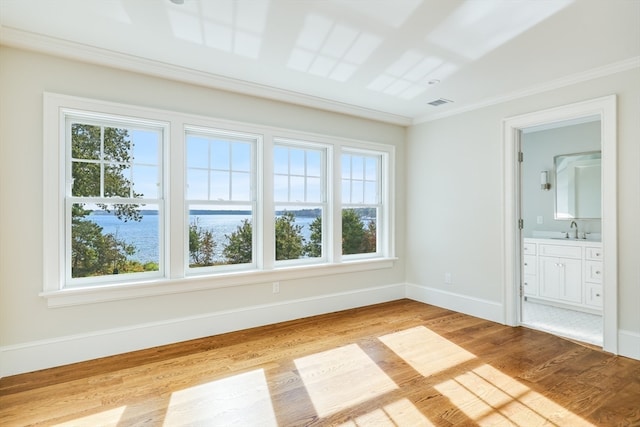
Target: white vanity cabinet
{"points": [[563, 272], [593, 276]]}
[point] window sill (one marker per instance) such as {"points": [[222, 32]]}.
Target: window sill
{"points": [[95, 294]]}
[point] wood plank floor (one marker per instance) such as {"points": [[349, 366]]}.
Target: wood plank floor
{"points": [[401, 363]]}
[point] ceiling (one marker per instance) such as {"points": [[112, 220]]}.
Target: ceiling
{"points": [[381, 59]]}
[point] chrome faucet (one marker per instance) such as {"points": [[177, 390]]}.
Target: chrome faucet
{"points": [[576, 225]]}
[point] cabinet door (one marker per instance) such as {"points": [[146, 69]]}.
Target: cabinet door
{"points": [[529, 264], [561, 279], [594, 295], [530, 285], [593, 271]]}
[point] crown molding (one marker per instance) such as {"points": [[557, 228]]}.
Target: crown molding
{"points": [[71, 50], [616, 67]]}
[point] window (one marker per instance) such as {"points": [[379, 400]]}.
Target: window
{"points": [[174, 202], [300, 200], [361, 202], [114, 199], [220, 198]]}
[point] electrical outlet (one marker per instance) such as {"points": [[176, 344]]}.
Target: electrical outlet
{"points": [[540, 219], [276, 287], [447, 278]]}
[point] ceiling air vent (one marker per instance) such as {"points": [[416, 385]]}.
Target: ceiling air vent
{"points": [[439, 102]]}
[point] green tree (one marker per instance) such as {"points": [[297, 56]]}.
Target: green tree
{"points": [[94, 253], [289, 240], [353, 232], [239, 247], [313, 248], [370, 239], [201, 245]]}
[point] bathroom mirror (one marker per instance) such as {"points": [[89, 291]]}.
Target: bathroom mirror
{"points": [[578, 186]]}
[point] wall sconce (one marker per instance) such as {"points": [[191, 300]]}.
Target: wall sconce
{"points": [[544, 181]]}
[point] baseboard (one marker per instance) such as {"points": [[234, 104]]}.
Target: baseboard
{"points": [[484, 309], [37, 355], [629, 344]]}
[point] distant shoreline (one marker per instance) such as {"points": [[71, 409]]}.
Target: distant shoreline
{"points": [[301, 212]]}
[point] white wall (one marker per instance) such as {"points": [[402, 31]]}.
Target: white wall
{"points": [[33, 336], [454, 202]]}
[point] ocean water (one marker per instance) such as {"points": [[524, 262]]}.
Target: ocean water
{"points": [[144, 234]]}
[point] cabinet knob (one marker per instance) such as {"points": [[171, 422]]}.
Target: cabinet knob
{"points": [[526, 263], [597, 272], [597, 253], [597, 295]]}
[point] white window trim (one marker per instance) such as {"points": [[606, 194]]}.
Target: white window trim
{"points": [[160, 200], [176, 279], [383, 221], [326, 203], [255, 202]]}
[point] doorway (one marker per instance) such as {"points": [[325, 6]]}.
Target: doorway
{"points": [[560, 203], [603, 109]]}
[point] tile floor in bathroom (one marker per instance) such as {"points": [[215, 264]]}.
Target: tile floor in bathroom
{"points": [[571, 324]]}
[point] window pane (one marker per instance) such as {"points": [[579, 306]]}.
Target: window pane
{"points": [[117, 145], [146, 147], [114, 239], [85, 141], [298, 233], [220, 155], [117, 181], [219, 186], [371, 169], [281, 188], [358, 231], [86, 179], [198, 184], [296, 161], [370, 192], [241, 156], [241, 186], [346, 166], [314, 163], [357, 188], [197, 152], [281, 160], [314, 190], [146, 181], [296, 189], [346, 191], [312, 232], [220, 236], [357, 165]]}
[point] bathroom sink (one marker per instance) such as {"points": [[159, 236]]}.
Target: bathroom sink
{"points": [[573, 239], [567, 238]]}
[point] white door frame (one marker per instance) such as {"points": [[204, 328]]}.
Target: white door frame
{"points": [[604, 107]]}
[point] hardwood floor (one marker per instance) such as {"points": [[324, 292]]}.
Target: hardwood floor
{"points": [[401, 363]]}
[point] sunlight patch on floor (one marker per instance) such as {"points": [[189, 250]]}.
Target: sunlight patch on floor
{"points": [[341, 378], [426, 351], [224, 402], [397, 414], [491, 398], [110, 417]]}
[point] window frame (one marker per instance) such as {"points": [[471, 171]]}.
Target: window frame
{"points": [[71, 117], [382, 211], [255, 140], [324, 203], [176, 279]]}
